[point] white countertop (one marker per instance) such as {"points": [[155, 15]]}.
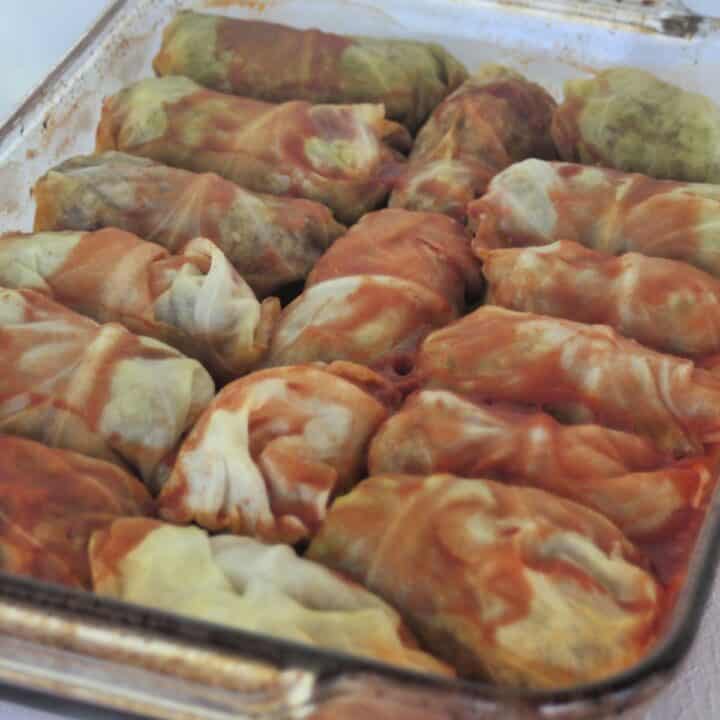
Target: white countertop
{"points": [[34, 35]]}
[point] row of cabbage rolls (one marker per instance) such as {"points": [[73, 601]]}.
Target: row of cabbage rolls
{"points": [[537, 469]]}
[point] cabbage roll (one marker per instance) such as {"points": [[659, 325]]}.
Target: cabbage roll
{"points": [[271, 451], [629, 119], [510, 584], [427, 248], [96, 389], [194, 301], [270, 241], [440, 431], [378, 291], [375, 320], [581, 373], [495, 118], [275, 62], [618, 474], [664, 304], [51, 501], [340, 155], [537, 203], [244, 584]]}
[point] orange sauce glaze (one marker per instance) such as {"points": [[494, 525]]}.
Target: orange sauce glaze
{"points": [[258, 144], [565, 130], [644, 219], [65, 347], [482, 129], [371, 305], [572, 282], [373, 383], [171, 206], [303, 62], [427, 436], [298, 481], [110, 273], [427, 248], [51, 501], [414, 314], [411, 543], [115, 542], [499, 355], [670, 552], [580, 462]]}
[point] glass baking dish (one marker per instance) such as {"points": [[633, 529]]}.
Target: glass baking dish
{"points": [[80, 647]]}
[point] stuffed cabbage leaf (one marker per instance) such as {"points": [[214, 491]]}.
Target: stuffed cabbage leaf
{"points": [[271, 241], [96, 389], [241, 583], [628, 119], [193, 301], [274, 62], [495, 118], [581, 373], [426, 248], [343, 156], [616, 473], [378, 291], [271, 451], [51, 501], [538, 203], [510, 584], [664, 304]]}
